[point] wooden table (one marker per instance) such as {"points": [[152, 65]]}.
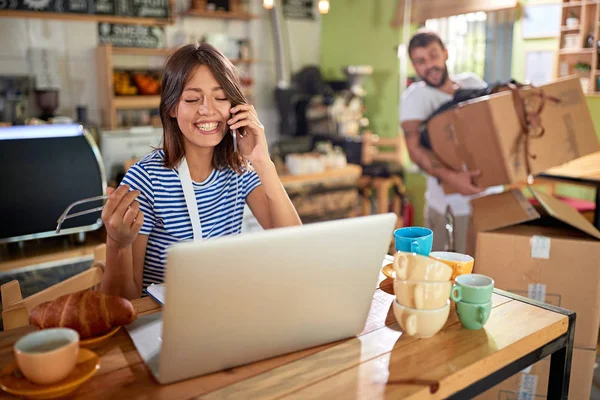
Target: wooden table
{"points": [[582, 171], [381, 362]]}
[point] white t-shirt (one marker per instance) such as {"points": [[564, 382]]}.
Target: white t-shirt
{"points": [[418, 102]]}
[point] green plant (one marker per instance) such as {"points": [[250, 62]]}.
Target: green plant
{"points": [[584, 67]]}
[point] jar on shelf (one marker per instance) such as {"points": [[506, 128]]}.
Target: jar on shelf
{"points": [[585, 84], [245, 49], [245, 6], [589, 41], [572, 21], [199, 5], [235, 6], [570, 41], [563, 69]]}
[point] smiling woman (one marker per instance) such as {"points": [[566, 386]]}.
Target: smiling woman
{"points": [[194, 187], [211, 86]]}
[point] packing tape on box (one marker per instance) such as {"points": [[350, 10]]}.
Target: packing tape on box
{"points": [[528, 387], [537, 291], [540, 247]]}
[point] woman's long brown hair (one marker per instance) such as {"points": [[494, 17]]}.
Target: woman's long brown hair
{"points": [[178, 69]]}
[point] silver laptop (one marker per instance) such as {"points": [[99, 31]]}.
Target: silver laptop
{"points": [[245, 298]]}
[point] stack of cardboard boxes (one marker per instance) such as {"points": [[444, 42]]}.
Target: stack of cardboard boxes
{"points": [[549, 252]]}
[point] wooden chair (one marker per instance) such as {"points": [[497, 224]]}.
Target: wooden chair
{"points": [[382, 174], [15, 309]]}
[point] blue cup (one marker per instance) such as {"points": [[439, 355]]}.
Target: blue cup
{"points": [[414, 239]]}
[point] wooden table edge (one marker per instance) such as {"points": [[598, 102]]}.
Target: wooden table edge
{"points": [[498, 375], [147, 305], [558, 382]]}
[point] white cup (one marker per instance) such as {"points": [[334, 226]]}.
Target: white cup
{"points": [[421, 323], [422, 295], [47, 356]]}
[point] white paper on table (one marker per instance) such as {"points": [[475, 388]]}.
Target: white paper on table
{"points": [[157, 291]]}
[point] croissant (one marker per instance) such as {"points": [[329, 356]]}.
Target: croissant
{"points": [[91, 313]]}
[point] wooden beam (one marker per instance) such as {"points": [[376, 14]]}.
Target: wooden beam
{"points": [[85, 17], [423, 10], [220, 14]]}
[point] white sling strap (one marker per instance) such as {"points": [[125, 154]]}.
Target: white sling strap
{"points": [[190, 198]]}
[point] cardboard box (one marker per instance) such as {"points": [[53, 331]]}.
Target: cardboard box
{"points": [[551, 254], [532, 383], [486, 134]]}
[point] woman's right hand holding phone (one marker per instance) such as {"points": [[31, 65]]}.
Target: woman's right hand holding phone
{"points": [[122, 216]]}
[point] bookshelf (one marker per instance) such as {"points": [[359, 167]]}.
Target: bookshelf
{"points": [[110, 103], [578, 46]]}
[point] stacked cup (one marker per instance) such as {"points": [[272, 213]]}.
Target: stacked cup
{"points": [[422, 285], [472, 294], [460, 263]]}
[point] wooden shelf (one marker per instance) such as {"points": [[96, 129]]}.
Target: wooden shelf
{"points": [[85, 17], [577, 51], [136, 102], [240, 61], [579, 3], [140, 51], [567, 29], [133, 51], [219, 15], [109, 103]]}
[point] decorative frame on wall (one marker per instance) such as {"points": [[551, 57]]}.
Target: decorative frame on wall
{"points": [[538, 21], [540, 66]]}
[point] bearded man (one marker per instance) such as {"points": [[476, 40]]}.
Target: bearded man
{"points": [[428, 55]]}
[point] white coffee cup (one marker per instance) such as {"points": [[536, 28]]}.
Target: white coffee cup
{"points": [[48, 355], [415, 267], [421, 323], [422, 295]]}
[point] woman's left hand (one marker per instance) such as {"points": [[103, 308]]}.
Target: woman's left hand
{"points": [[253, 145]]}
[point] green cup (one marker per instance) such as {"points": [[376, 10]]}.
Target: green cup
{"points": [[473, 316], [472, 288]]}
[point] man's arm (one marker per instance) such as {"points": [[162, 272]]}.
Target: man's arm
{"points": [[424, 158], [431, 164]]}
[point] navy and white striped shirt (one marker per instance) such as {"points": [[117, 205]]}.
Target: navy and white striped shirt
{"points": [[166, 218]]}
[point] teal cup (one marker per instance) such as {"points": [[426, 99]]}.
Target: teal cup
{"points": [[414, 239], [473, 316], [472, 288]]}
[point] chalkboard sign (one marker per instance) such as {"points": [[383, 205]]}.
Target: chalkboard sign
{"points": [[120, 35], [298, 9], [121, 8]]}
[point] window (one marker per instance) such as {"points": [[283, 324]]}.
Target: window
{"points": [[464, 36], [478, 42]]}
